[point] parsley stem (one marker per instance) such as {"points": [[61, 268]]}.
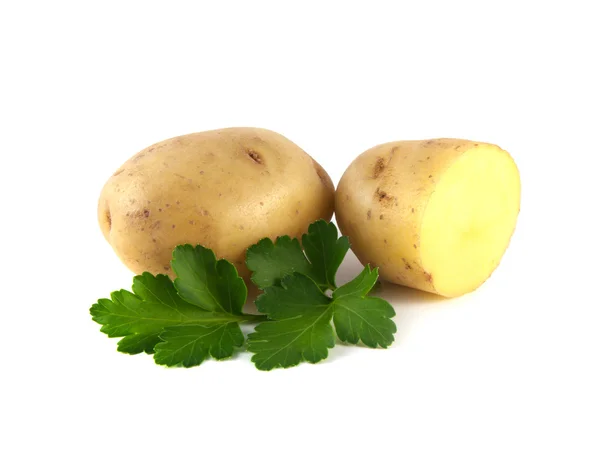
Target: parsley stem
{"points": [[253, 318]]}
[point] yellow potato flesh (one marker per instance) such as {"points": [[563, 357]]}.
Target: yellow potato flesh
{"points": [[435, 215], [469, 220]]}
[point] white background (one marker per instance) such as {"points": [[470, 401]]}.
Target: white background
{"points": [[84, 85]]}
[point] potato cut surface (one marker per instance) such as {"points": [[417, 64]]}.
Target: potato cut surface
{"points": [[436, 215], [469, 220]]}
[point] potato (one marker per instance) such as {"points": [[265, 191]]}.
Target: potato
{"points": [[436, 215], [225, 189]]}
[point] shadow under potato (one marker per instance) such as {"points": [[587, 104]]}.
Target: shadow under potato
{"points": [[396, 294], [253, 293]]}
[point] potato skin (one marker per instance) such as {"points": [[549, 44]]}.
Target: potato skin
{"points": [[382, 199], [224, 189]]}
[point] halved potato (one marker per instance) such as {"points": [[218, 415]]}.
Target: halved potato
{"points": [[436, 215]]}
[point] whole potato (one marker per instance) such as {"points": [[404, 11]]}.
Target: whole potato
{"points": [[436, 215], [224, 189]]}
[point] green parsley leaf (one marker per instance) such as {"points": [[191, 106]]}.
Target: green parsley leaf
{"points": [[301, 330], [325, 251], [138, 343], [359, 317], [189, 345], [205, 282], [299, 327], [198, 315], [271, 262], [140, 316]]}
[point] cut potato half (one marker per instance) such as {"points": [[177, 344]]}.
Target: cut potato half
{"points": [[435, 215]]}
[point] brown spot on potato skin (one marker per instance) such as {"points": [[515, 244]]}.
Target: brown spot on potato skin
{"points": [[428, 277], [254, 156], [381, 217], [415, 245], [262, 204], [138, 214], [369, 215], [384, 198], [385, 241], [146, 213], [321, 174], [412, 210], [173, 226], [166, 267], [108, 218], [379, 167]]}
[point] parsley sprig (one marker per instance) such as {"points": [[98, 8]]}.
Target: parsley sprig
{"points": [[323, 253], [198, 315]]}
